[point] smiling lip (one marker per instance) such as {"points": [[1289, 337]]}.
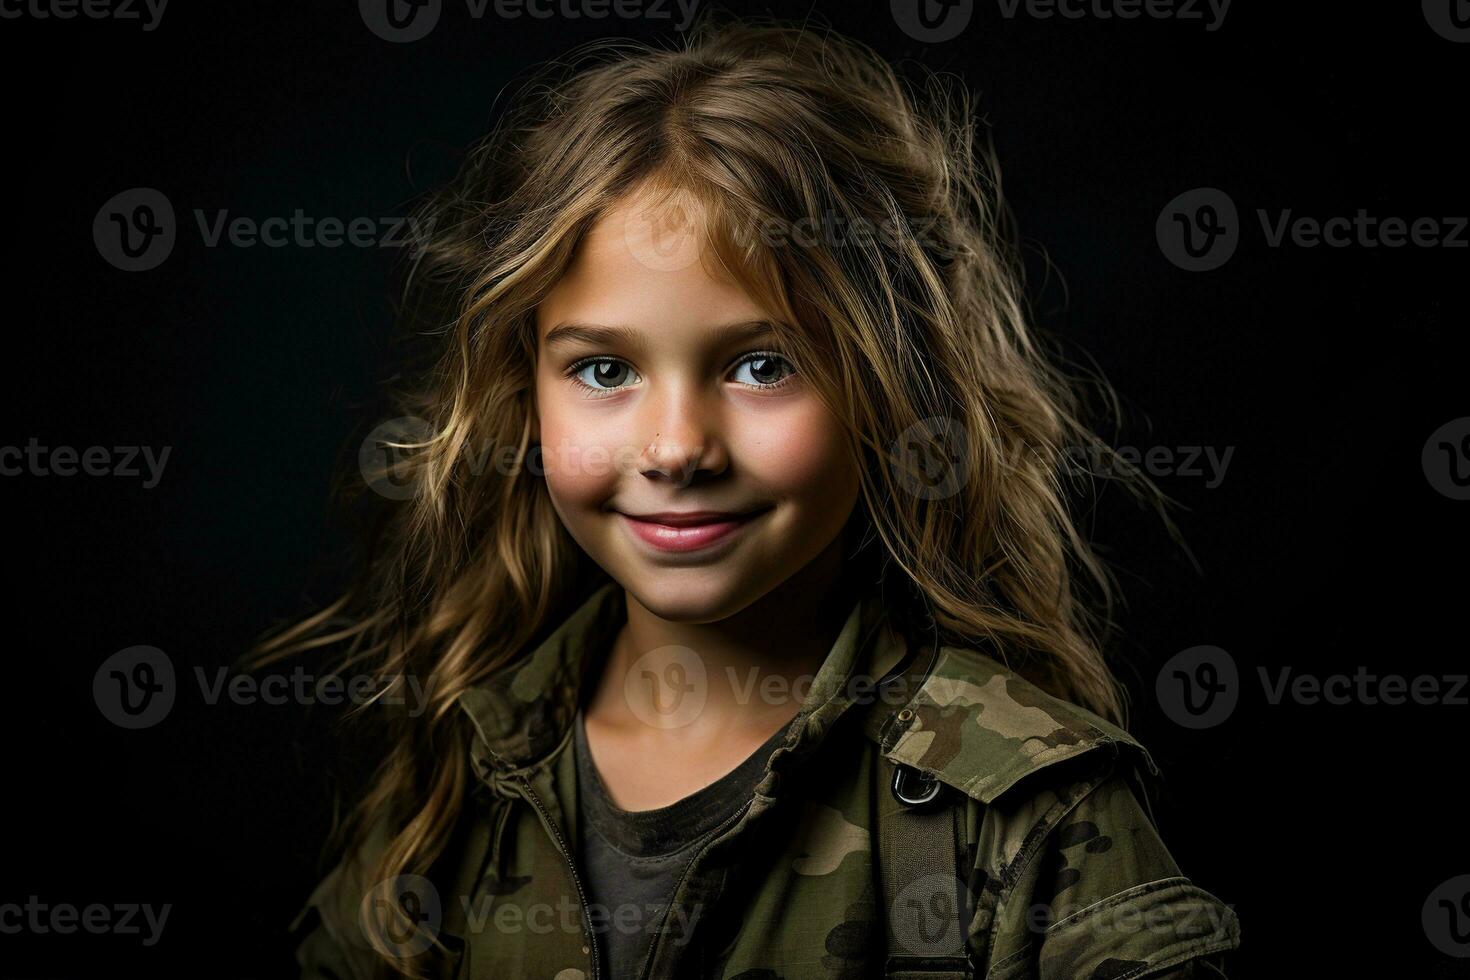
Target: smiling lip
{"points": [[686, 530]]}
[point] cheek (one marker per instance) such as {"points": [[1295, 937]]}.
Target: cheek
{"points": [[580, 453], [800, 455]]}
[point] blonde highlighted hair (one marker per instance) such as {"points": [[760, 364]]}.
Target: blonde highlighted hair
{"points": [[915, 336]]}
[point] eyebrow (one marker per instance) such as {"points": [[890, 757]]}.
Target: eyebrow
{"points": [[597, 334]]}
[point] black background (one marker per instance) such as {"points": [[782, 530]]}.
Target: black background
{"points": [[1326, 369]]}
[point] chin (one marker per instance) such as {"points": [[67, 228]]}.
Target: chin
{"points": [[684, 595]]}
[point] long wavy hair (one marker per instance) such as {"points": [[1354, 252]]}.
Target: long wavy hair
{"points": [[909, 321]]}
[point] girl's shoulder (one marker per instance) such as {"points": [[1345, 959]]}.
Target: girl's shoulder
{"points": [[1058, 845], [982, 728]]}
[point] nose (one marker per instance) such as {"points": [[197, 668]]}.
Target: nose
{"points": [[687, 443]]}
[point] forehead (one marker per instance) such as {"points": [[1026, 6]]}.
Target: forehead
{"points": [[645, 262]]}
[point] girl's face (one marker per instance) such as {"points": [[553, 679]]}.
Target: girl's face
{"points": [[683, 453]]}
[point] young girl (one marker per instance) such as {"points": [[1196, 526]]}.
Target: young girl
{"points": [[737, 565]]}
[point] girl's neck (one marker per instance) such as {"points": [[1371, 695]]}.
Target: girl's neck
{"points": [[748, 672]]}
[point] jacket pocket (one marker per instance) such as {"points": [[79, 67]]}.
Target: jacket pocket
{"points": [[1139, 932]]}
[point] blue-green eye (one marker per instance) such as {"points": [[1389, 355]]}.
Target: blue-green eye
{"points": [[765, 370], [603, 373]]}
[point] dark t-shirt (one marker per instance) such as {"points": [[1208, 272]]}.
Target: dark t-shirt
{"points": [[632, 859]]}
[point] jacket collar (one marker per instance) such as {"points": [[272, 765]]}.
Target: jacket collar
{"points": [[522, 714]]}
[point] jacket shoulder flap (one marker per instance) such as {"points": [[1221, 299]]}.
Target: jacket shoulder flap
{"points": [[981, 728]]}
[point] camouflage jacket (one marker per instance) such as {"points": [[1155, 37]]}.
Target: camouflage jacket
{"points": [[1067, 877]]}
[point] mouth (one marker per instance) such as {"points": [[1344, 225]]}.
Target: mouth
{"points": [[681, 531]]}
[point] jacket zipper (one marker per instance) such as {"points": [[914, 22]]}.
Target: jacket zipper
{"points": [[643, 974], [571, 866]]}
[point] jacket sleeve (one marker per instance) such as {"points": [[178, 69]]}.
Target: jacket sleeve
{"points": [[332, 943], [1100, 898], [1110, 902], [324, 950]]}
